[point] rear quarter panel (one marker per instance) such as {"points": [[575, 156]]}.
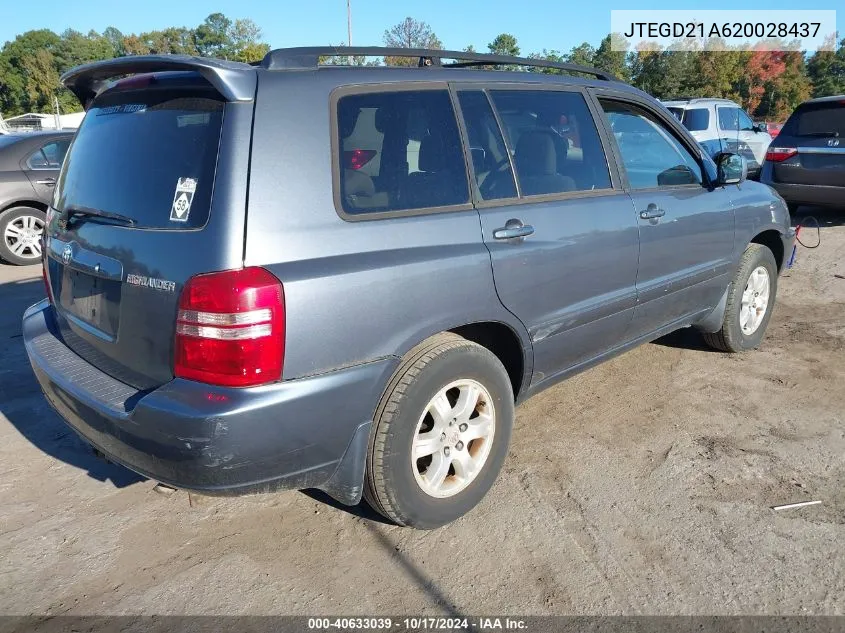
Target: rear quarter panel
{"points": [[14, 187], [354, 291]]}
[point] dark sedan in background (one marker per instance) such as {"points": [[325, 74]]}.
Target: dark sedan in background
{"points": [[806, 163], [29, 166]]}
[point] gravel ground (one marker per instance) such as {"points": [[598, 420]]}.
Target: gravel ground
{"points": [[643, 486]]}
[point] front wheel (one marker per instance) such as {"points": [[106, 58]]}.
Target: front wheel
{"points": [[20, 235], [441, 433], [751, 298]]}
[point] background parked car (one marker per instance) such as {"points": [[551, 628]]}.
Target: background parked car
{"points": [[721, 125], [29, 166], [773, 128], [807, 163]]}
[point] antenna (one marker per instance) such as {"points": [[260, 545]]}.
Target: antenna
{"points": [[349, 28]]}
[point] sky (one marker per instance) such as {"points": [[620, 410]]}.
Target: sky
{"points": [[537, 24]]}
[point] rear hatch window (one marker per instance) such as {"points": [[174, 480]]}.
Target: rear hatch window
{"points": [[133, 221], [819, 120], [149, 156]]}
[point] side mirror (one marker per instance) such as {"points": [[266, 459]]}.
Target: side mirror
{"points": [[731, 169], [760, 127]]}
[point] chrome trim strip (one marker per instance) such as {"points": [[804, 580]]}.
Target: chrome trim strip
{"points": [[226, 318], [821, 150]]}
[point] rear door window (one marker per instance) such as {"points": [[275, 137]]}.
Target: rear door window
{"points": [[49, 156], [734, 119], [553, 137], [490, 160], [149, 155], [399, 151]]}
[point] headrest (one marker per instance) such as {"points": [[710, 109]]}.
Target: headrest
{"points": [[535, 154], [433, 153], [357, 183], [385, 117], [346, 121]]}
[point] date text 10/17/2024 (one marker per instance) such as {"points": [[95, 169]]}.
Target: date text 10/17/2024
{"points": [[419, 624]]}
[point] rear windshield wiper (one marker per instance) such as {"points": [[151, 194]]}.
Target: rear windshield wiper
{"points": [[821, 134], [86, 212]]}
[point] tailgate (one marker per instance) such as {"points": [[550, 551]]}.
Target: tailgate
{"points": [[817, 131], [152, 192]]}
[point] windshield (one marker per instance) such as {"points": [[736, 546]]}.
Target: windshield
{"points": [[817, 119], [148, 155]]}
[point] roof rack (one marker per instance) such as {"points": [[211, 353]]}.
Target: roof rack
{"points": [[308, 57]]}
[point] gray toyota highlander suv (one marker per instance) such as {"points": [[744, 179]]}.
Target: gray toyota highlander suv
{"points": [[288, 275]]}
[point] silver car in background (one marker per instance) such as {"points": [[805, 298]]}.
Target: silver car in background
{"points": [[721, 125]]}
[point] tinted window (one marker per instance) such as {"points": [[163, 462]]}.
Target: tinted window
{"points": [[817, 119], [134, 148], [696, 119], [677, 112], [400, 150], [732, 118], [49, 156], [651, 155], [490, 160], [554, 141]]}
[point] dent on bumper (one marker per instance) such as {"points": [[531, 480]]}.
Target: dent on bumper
{"points": [[293, 434]]}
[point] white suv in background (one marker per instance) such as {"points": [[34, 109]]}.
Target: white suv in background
{"points": [[720, 125]]}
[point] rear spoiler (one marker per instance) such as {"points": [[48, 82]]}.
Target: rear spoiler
{"points": [[234, 80]]}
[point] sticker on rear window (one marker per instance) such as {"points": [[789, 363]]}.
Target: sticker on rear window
{"points": [[123, 108], [182, 199]]}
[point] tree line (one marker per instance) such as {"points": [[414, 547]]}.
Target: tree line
{"points": [[31, 64], [769, 84]]}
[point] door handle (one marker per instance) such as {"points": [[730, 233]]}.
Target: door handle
{"points": [[49, 182], [652, 211], [513, 228]]}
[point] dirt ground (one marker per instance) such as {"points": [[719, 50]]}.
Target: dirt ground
{"points": [[643, 486]]}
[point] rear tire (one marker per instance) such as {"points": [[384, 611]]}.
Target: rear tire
{"points": [[21, 229], [454, 398], [751, 298]]}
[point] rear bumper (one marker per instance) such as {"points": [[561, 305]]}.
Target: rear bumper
{"points": [[821, 195], [306, 433]]}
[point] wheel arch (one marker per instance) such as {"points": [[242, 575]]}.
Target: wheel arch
{"points": [[32, 204], [773, 240]]}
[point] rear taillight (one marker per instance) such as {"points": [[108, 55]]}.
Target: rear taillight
{"points": [[230, 329], [357, 158], [780, 154]]}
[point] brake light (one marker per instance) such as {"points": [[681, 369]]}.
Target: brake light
{"points": [[136, 81], [230, 329], [780, 154], [357, 158]]}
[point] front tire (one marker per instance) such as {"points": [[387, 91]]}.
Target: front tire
{"points": [[440, 434], [751, 298], [20, 235]]}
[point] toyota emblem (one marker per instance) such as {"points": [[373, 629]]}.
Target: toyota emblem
{"points": [[67, 253]]}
